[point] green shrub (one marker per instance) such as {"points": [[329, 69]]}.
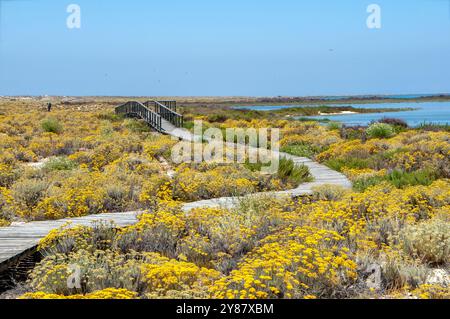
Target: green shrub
{"points": [[402, 179], [51, 125], [361, 184], [428, 241], [189, 125], [303, 150], [397, 178], [59, 164], [112, 117], [434, 127], [334, 126], [137, 126], [289, 172], [351, 163], [217, 118], [380, 130], [254, 167]]}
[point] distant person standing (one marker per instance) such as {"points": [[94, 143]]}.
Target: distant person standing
{"points": [[49, 107]]}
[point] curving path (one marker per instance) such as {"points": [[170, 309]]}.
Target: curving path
{"points": [[19, 240]]}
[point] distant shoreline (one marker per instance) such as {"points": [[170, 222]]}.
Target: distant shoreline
{"points": [[233, 101]]}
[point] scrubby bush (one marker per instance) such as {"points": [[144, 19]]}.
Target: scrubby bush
{"points": [[71, 238], [288, 171], [394, 122], [59, 164], [137, 126], [428, 291], [99, 270], [106, 294], [397, 178], [329, 192], [51, 125], [219, 118], [303, 150], [380, 130], [429, 241], [334, 125], [4, 222], [8, 174], [116, 199], [398, 272], [29, 192]]}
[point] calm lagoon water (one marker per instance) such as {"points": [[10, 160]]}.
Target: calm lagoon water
{"points": [[429, 112]]}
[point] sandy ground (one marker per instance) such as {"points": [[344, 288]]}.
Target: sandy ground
{"points": [[338, 113]]}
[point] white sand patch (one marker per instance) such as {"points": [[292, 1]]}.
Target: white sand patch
{"points": [[166, 167], [338, 113], [38, 165]]}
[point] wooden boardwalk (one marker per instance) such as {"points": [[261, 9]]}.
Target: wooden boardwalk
{"points": [[19, 240]]}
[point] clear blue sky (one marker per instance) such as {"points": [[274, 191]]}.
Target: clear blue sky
{"points": [[227, 47]]}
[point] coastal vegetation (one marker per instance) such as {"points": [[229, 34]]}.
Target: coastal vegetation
{"points": [[80, 163], [230, 113], [388, 237]]}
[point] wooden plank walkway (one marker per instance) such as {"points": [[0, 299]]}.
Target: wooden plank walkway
{"points": [[19, 240]]}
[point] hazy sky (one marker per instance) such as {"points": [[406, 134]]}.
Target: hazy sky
{"points": [[227, 47]]}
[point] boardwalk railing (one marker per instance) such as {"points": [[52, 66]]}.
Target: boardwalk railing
{"points": [[142, 111], [170, 104], [167, 111]]}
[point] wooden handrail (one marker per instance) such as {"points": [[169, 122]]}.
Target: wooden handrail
{"points": [[153, 112], [170, 104], [166, 112], [139, 109]]}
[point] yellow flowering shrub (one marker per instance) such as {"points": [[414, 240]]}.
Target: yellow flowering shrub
{"points": [[177, 277], [8, 175], [159, 146], [213, 181], [264, 248], [423, 291], [379, 207], [106, 164], [431, 292], [409, 151], [4, 222], [354, 174], [157, 232], [70, 238], [78, 196], [109, 293], [295, 263]]}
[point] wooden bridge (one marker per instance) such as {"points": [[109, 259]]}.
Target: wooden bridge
{"points": [[19, 241], [160, 115]]}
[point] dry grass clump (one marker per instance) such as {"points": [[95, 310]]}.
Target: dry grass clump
{"points": [[329, 192], [428, 241]]}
